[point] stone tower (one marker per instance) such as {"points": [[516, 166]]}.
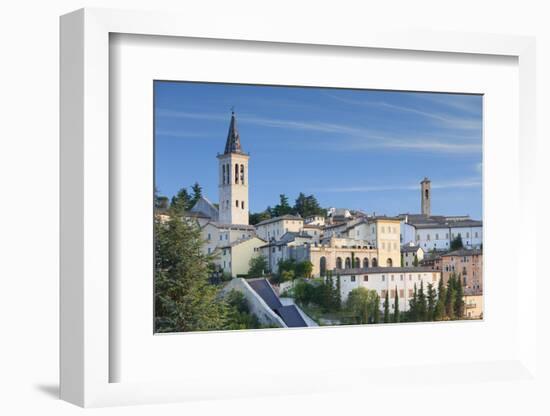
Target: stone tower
{"points": [[425, 196], [233, 179]]}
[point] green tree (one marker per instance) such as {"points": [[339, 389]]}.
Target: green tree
{"points": [[396, 316], [440, 312], [180, 202], [304, 292], [255, 218], [197, 194], [361, 305], [184, 299], [459, 299], [413, 306], [415, 261], [304, 269], [456, 244], [283, 207], [376, 312], [238, 312], [387, 308], [450, 299], [257, 266], [431, 302], [306, 206], [422, 307], [402, 260]]}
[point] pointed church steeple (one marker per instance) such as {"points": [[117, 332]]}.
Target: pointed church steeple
{"points": [[233, 143]]}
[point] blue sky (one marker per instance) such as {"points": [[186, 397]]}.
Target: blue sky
{"points": [[359, 149]]}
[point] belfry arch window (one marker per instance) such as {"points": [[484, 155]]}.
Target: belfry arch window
{"points": [[427, 193], [242, 174], [242, 204], [237, 203], [224, 175], [348, 263], [236, 173], [228, 172]]}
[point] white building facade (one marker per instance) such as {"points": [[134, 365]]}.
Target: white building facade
{"points": [[388, 280]]}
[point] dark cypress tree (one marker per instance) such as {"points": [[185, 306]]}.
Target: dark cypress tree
{"points": [[396, 316], [387, 308], [451, 297], [413, 306], [459, 299], [422, 308], [431, 302], [440, 312], [376, 311]]}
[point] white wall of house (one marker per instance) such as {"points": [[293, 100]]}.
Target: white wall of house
{"points": [[471, 236], [276, 229], [382, 282], [433, 238]]}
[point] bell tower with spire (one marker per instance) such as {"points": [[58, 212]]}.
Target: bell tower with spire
{"points": [[233, 179]]}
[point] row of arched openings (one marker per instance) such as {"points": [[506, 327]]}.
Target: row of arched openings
{"points": [[346, 264]]}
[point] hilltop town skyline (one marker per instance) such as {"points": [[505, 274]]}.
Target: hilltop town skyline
{"points": [[188, 134]]}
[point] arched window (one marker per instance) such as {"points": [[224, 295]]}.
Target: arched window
{"points": [[236, 173], [365, 263], [389, 262], [323, 266], [242, 174], [242, 204], [224, 175], [237, 203], [374, 262], [348, 263], [338, 262], [427, 193], [227, 204], [228, 173], [356, 263]]}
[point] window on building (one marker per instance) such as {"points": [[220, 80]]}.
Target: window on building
{"points": [[427, 237], [273, 249], [383, 278], [392, 277], [476, 234], [221, 237], [236, 173], [467, 235], [353, 278], [209, 237], [365, 278], [242, 204], [348, 263], [323, 265], [237, 203], [401, 293], [365, 263], [374, 262], [223, 170], [339, 263], [401, 277], [436, 236], [242, 174]]}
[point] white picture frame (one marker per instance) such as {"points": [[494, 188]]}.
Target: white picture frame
{"points": [[86, 356]]}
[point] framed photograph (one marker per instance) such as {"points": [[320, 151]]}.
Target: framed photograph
{"points": [[290, 208]]}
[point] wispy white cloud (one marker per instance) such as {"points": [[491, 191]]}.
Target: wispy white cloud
{"points": [[463, 183], [346, 137], [443, 120]]}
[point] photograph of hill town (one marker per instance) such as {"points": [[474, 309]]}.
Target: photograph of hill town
{"points": [[285, 207]]}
